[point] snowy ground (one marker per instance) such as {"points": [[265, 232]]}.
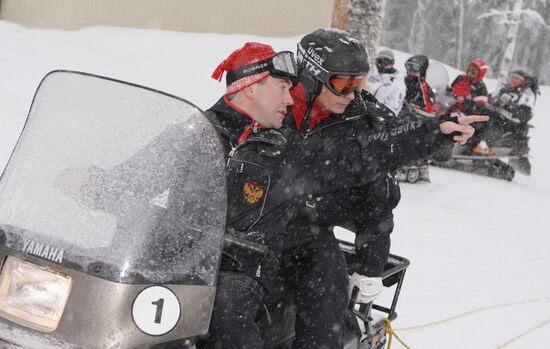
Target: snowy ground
{"points": [[479, 276]]}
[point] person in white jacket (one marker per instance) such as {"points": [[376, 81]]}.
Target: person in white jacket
{"points": [[386, 82]]}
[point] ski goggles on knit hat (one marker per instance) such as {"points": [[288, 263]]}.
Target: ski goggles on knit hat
{"points": [[252, 63], [281, 65]]}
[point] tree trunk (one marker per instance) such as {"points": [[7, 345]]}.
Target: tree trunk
{"points": [[508, 57], [460, 34], [366, 21], [339, 14], [541, 54], [418, 26]]}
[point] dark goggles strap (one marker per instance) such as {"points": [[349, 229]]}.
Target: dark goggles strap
{"points": [[247, 70]]}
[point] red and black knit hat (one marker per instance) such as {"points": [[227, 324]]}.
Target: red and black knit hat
{"points": [[250, 53]]}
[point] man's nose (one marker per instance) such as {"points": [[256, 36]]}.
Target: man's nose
{"points": [[288, 98], [350, 96]]}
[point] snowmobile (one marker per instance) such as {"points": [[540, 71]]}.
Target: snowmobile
{"points": [[509, 150], [504, 143], [112, 225], [414, 173]]}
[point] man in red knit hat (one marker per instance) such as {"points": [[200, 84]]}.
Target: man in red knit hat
{"points": [[247, 116]]}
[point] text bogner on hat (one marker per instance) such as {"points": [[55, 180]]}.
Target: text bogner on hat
{"points": [[259, 66]]}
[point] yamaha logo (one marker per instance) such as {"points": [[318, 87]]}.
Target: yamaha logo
{"points": [[42, 250]]}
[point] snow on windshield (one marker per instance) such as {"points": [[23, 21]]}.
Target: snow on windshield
{"points": [[101, 165]]}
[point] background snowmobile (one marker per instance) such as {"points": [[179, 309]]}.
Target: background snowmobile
{"points": [[508, 156], [414, 173], [507, 137], [112, 221]]}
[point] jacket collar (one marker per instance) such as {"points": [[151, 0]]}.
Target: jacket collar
{"points": [[299, 109], [238, 124]]}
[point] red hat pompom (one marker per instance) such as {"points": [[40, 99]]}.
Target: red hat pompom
{"points": [[251, 52]]}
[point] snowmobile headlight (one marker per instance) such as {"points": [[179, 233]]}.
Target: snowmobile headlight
{"points": [[31, 295]]}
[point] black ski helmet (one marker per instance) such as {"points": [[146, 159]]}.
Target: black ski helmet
{"points": [[418, 63], [327, 52]]}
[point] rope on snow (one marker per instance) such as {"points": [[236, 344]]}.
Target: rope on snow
{"points": [[470, 312]]}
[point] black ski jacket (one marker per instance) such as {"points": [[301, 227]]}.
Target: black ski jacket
{"points": [[353, 154], [419, 93], [259, 169]]}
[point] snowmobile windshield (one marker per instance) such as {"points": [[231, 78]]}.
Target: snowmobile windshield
{"points": [[118, 181], [438, 78]]}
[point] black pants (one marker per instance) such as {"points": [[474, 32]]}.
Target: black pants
{"points": [[316, 271], [233, 324]]}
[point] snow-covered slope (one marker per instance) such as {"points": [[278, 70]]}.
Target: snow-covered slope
{"points": [[479, 276]]}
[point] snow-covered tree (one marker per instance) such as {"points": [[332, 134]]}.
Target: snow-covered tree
{"points": [[365, 22], [511, 19], [340, 14], [456, 31], [459, 5]]}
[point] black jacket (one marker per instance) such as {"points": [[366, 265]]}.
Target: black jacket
{"points": [[259, 170], [515, 103], [417, 96], [353, 154]]}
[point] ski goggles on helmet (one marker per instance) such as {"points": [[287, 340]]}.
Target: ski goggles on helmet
{"points": [[339, 83], [411, 66], [342, 84], [383, 61], [281, 65]]}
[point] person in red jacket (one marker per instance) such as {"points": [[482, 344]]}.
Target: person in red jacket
{"points": [[471, 85], [469, 89]]}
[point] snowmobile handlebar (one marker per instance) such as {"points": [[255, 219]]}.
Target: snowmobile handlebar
{"points": [[230, 241]]}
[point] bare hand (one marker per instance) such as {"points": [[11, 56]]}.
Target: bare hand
{"points": [[463, 127]]}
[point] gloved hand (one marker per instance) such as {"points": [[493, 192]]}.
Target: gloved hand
{"points": [[505, 99], [369, 287], [481, 99]]}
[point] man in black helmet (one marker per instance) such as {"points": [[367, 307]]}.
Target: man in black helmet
{"points": [[356, 141], [419, 95]]}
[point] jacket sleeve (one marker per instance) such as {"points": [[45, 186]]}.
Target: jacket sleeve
{"points": [[372, 222], [409, 140], [520, 113], [399, 141]]}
